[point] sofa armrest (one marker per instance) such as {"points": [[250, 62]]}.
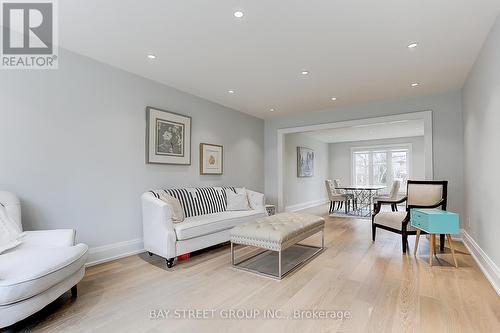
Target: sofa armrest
{"points": [[157, 227], [48, 238], [256, 200]]}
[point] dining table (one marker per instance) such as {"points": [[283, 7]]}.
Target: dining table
{"points": [[363, 196]]}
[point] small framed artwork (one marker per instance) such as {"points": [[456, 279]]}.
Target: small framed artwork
{"points": [[305, 162], [211, 159], [168, 137]]}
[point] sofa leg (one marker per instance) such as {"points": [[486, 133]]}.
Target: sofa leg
{"points": [[150, 254], [74, 291], [170, 262]]}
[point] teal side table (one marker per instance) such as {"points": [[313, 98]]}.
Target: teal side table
{"points": [[433, 222]]}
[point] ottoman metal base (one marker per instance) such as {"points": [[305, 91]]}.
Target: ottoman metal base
{"points": [[288, 260]]}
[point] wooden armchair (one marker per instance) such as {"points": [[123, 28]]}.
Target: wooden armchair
{"points": [[419, 194]]}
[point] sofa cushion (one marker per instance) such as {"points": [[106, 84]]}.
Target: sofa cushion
{"points": [[199, 200], [27, 272], [237, 201], [196, 226]]}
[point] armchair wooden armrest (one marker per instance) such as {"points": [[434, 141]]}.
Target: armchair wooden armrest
{"points": [[379, 203], [440, 203]]}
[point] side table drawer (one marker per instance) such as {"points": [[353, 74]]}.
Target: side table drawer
{"points": [[419, 220]]}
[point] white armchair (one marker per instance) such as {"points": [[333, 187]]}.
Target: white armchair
{"points": [[44, 266]]}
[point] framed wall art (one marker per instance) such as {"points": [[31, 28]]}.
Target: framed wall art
{"points": [[168, 137], [211, 159], [305, 162]]}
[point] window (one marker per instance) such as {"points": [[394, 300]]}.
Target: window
{"points": [[381, 165]]}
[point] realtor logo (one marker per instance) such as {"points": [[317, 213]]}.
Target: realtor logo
{"points": [[29, 32]]}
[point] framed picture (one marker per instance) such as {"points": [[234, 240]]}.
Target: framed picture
{"points": [[305, 162], [211, 159], [168, 137]]}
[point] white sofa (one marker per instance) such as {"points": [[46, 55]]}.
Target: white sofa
{"points": [[43, 267], [167, 239]]}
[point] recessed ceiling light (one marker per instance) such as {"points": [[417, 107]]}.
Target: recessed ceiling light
{"points": [[304, 72], [272, 110], [334, 98], [415, 84], [151, 56], [230, 91], [412, 45], [238, 14]]}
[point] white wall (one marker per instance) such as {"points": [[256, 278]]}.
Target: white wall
{"points": [[481, 105], [340, 156], [72, 146], [305, 191], [447, 135]]}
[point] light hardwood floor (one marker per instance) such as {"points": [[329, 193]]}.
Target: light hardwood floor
{"points": [[383, 290]]}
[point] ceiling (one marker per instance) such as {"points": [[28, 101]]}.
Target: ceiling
{"points": [[354, 50], [376, 131]]}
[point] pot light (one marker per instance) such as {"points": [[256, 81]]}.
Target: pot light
{"points": [[272, 110], [415, 84], [334, 98], [412, 45], [151, 56], [230, 91], [238, 14], [304, 72]]}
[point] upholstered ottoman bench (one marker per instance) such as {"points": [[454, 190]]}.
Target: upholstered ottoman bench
{"points": [[278, 236]]}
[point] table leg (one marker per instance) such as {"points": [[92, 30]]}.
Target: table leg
{"points": [[279, 264], [417, 238], [431, 249], [452, 250]]}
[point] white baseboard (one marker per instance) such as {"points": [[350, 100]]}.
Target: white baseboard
{"points": [[301, 206], [104, 253], [489, 268]]}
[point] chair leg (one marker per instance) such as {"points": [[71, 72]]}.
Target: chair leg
{"points": [[393, 208], [404, 240], [74, 291], [331, 207], [441, 242], [374, 231], [346, 205], [396, 207]]}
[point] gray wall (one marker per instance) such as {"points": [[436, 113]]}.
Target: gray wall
{"points": [[301, 191], [481, 104], [447, 135], [340, 156], [72, 146]]}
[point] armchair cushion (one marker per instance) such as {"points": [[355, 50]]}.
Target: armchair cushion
{"points": [[48, 238], [26, 272], [392, 220], [424, 194]]}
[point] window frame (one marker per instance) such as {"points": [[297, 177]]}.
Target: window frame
{"points": [[378, 148]]}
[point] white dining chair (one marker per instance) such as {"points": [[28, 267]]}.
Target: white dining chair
{"points": [[392, 198]]}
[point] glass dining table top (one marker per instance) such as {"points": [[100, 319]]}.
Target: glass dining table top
{"points": [[362, 187]]}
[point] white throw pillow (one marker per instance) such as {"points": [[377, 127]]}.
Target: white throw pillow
{"points": [[256, 200], [175, 207], [9, 231], [237, 201]]}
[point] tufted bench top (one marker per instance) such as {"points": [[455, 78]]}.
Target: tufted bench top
{"points": [[277, 232]]}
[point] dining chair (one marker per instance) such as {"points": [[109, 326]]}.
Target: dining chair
{"points": [[336, 197], [392, 197], [352, 198], [419, 194]]}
